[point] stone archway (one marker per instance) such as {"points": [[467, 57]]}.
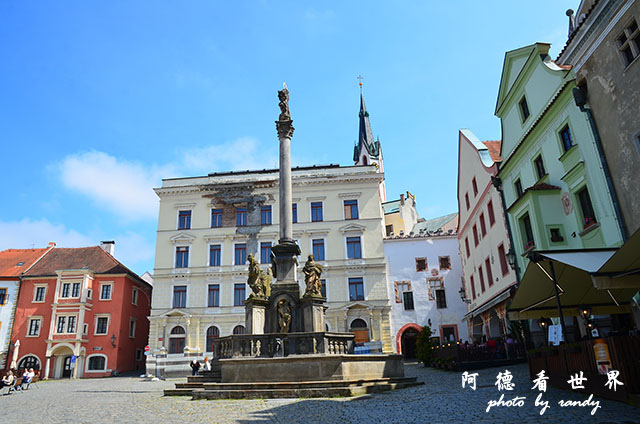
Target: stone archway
{"points": [[414, 329], [61, 357], [495, 325]]}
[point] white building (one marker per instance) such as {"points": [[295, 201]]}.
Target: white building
{"points": [[489, 280], [424, 279]]}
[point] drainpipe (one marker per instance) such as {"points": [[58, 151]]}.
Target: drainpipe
{"points": [[580, 98], [497, 183]]}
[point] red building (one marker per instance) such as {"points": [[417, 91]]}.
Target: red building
{"points": [[82, 313]]}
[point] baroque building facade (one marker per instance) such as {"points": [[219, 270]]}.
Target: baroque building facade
{"points": [[209, 225]]}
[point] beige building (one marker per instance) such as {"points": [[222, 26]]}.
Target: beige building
{"points": [[208, 226]]}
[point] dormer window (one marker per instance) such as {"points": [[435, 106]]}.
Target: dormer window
{"points": [[524, 109]]}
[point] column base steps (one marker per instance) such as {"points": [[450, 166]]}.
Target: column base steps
{"points": [[278, 390]]}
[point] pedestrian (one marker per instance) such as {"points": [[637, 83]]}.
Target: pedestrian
{"points": [[207, 364], [27, 378], [195, 367]]}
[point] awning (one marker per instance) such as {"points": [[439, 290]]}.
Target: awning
{"points": [[535, 298], [622, 270], [488, 305]]}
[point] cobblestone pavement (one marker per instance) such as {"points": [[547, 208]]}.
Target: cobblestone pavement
{"points": [[440, 400]]}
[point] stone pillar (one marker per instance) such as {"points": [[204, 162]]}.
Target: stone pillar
{"points": [[47, 367], [284, 125], [254, 318], [313, 313]]}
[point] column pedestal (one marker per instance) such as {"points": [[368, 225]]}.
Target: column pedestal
{"points": [[254, 315], [313, 313]]}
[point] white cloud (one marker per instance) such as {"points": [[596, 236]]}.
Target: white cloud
{"points": [[237, 155], [123, 187], [26, 234]]}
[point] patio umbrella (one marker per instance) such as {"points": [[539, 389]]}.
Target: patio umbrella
{"points": [[14, 360]]}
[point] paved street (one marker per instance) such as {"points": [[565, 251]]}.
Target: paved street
{"points": [[440, 400]]}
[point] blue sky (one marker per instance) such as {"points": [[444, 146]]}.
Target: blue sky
{"points": [[101, 100]]}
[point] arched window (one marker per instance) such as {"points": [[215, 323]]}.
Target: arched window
{"points": [[176, 340], [358, 323], [239, 329], [29, 361], [359, 328], [212, 334], [96, 363], [364, 160]]}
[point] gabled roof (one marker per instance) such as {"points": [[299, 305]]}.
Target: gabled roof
{"points": [[514, 64], [92, 258], [434, 224], [14, 262], [365, 135], [494, 149]]}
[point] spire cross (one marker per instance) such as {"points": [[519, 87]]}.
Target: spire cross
{"points": [[360, 78]]}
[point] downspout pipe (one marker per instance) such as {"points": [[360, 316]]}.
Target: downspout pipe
{"points": [[580, 98], [497, 183]]}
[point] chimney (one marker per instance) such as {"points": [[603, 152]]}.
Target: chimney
{"points": [[572, 21], [51, 244], [108, 246], [402, 199]]}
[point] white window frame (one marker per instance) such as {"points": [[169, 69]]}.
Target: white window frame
{"points": [[175, 255], [364, 287], [186, 303], [62, 289], [324, 242], [85, 329], [95, 324], [135, 293], [178, 219], [346, 247], [106, 283], [33, 318], [66, 323], [35, 292], [311, 210], [106, 363], [215, 243]]}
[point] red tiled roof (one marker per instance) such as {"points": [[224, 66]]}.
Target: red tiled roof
{"points": [[542, 186], [10, 258], [93, 258], [494, 149]]}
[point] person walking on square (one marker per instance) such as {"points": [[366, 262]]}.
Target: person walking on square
{"points": [[195, 367], [207, 364]]}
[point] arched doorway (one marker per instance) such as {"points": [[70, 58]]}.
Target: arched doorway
{"points": [[495, 326], [212, 334], [408, 342], [177, 340], [239, 329], [360, 329], [62, 367], [478, 326]]}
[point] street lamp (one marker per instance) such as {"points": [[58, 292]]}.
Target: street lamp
{"points": [[463, 295], [113, 340], [511, 258], [585, 312]]}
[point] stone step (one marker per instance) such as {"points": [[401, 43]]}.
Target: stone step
{"points": [[291, 385]]}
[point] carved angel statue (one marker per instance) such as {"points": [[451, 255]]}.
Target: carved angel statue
{"points": [[265, 281], [283, 96], [284, 316], [254, 280], [312, 272]]}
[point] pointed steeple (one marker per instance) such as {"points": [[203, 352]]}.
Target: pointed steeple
{"points": [[365, 135]]}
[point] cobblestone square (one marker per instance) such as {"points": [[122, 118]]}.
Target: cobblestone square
{"points": [[439, 400]]}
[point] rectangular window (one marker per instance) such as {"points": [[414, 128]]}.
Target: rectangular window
{"points": [[445, 263], [527, 232], [524, 109], [184, 220], [182, 257], [318, 249], [474, 186], [105, 292], [138, 354], [466, 200], [356, 289], [400, 288], [354, 251], [34, 327], [132, 328], [316, 211], [350, 209], [389, 230], [265, 252], [3, 296], [487, 266], [407, 298], [473, 287], [134, 296], [240, 254], [539, 165], [39, 295], [238, 294], [567, 139], [294, 213], [85, 329], [588, 214], [215, 252], [421, 264], [475, 235], [323, 287], [629, 43], [466, 245], [492, 217], [481, 275], [61, 324], [216, 218], [71, 324], [241, 217], [504, 267], [66, 287], [213, 296], [75, 290], [102, 325], [483, 227], [556, 235], [441, 299], [265, 215], [518, 188], [179, 296]]}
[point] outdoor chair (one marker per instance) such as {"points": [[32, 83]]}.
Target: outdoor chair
{"points": [[33, 381]]}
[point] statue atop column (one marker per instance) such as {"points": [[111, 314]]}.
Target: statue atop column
{"points": [[283, 96], [312, 272]]}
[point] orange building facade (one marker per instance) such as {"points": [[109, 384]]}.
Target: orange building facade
{"points": [[81, 313]]}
